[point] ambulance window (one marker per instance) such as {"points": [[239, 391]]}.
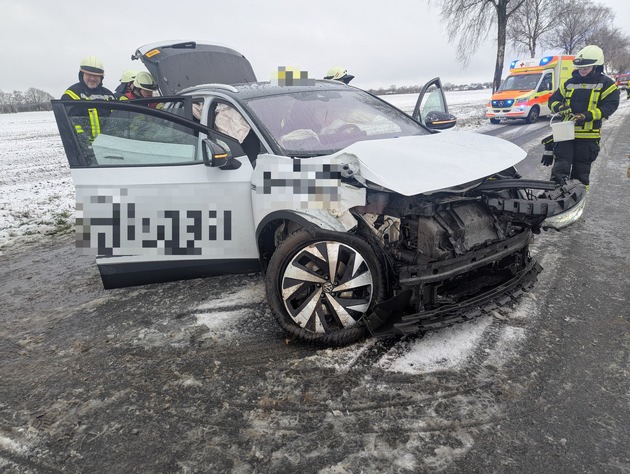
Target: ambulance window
{"points": [[545, 84]]}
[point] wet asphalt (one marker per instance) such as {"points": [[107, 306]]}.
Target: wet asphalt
{"points": [[571, 410], [127, 380]]}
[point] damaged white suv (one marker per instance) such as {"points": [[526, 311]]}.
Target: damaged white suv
{"points": [[362, 218]]}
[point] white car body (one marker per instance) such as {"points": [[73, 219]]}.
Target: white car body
{"points": [[230, 178]]}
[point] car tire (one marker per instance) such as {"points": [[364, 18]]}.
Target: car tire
{"points": [[312, 306], [533, 115], [495, 121]]}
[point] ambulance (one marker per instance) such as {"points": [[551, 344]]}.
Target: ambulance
{"points": [[525, 91]]}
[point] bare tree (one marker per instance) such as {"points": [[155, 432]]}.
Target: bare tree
{"points": [[471, 21], [535, 19], [577, 24], [37, 99], [616, 46], [5, 102], [17, 101]]}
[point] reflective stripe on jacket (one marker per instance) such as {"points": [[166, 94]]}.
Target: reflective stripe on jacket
{"points": [[79, 92], [596, 96]]}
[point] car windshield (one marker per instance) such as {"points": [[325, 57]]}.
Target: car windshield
{"points": [[521, 82], [321, 122]]}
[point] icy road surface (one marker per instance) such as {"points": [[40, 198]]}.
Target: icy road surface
{"points": [[197, 377]]}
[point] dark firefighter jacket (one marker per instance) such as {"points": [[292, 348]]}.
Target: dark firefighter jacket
{"points": [[596, 96], [80, 91]]}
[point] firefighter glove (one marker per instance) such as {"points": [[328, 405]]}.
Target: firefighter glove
{"points": [[548, 142], [564, 109], [579, 118], [547, 158]]}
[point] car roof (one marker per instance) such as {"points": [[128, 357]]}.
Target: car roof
{"points": [[262, 89], [177, 65]]}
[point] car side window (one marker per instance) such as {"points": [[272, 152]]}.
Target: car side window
{"points": [[131, 138], [233, 131], [433, 102]]}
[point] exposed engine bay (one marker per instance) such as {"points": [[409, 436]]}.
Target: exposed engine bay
{"points": [[448, 250]]}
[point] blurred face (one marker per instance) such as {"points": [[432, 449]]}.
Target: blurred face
{"points": [[92, 80], [585, 71], [145, 93]]}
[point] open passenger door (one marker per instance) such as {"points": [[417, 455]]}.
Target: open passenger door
{"points": [[431, 108]]}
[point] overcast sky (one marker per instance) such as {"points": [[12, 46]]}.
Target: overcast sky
{"points": [[380, 42]]}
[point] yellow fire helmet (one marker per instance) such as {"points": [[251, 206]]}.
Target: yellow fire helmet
{"points": [[92, 65], [145, 81], [338, 73], [588, 56], [128, 75]]}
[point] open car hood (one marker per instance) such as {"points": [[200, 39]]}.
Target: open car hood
{"points": [[178, 65], [428, 163]]}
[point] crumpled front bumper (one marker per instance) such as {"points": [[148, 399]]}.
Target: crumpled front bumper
{"points": [[387, 318], [571, 200], [562, 205]]}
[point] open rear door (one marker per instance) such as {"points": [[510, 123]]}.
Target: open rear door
{"points": [[431, 108]]}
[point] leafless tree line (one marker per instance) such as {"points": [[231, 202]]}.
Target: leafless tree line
{"points": [[535, 27], [29, 101], [530, 26]]}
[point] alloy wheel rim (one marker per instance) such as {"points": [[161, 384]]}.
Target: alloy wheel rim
{"points": [[327, 286]]}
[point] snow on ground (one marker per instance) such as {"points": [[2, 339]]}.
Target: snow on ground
{"points": [[439, 350], [37, 198], [36, 191]]}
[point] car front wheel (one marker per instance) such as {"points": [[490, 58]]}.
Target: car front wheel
{"points": [[321, 287]]}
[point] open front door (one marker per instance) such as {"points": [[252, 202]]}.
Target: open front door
{"points": [[147, 206], [431, 108]]}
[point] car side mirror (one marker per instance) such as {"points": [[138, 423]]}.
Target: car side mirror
{"points": [[214, 155], [438, 120]]}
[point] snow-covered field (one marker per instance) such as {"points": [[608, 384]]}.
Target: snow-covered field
{"points": [[36, 191], [468, 106]]}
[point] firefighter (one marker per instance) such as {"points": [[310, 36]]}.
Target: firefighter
{"points": [[586, 98], [126, 81], [339, 73], [142, 87], [89, 87], [139, 126]]}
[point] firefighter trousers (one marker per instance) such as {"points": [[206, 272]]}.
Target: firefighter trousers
{"points": [[573, 160]]}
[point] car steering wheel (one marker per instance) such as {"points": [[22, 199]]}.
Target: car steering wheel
{"points": [[348, 129]]}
